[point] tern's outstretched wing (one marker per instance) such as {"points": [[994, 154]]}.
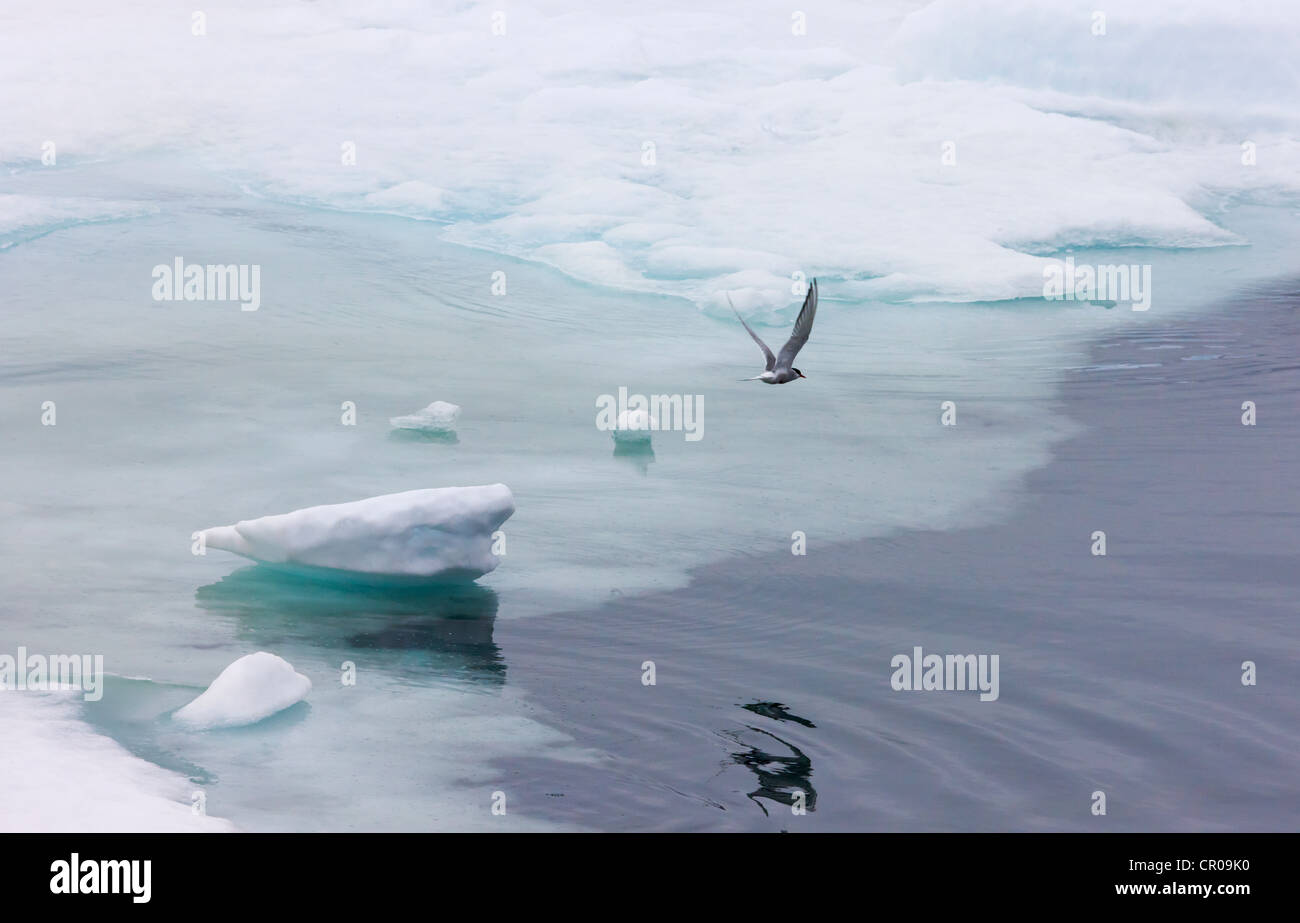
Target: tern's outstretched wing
{"points": [[767, 353], [802, 327]]}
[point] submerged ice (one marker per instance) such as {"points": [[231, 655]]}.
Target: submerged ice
{"points": [[432, 535], [250, 689], [633, 427]]}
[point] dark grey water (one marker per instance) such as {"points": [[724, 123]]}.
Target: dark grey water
{"points": [[1119, 673]]}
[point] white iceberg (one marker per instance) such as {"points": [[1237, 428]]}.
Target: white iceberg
{"points": [[633, 427], [438, 417], [441, 534], [250, 689]]}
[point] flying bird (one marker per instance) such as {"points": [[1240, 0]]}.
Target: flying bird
{"points": [[780, 368]]}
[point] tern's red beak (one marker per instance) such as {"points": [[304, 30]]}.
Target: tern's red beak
{"points": [[802, 375]]}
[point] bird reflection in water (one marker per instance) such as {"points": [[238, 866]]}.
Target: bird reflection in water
{"points": [[780, 777]]}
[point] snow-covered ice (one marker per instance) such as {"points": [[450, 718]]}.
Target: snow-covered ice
{"points": [[252, 688], [59, 776], [441, 534], [897, 148], [438, 417]]}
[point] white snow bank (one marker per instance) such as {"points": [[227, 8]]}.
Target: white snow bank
{"points": [[633, 427], [438, 417], [250, 689], [58, 775], [904, 150], [1236, 58], [433, 535]]}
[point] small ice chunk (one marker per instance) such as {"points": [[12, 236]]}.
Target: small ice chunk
{"points": [[633, 427], [441, 534], [250, 689], [438, 417]]}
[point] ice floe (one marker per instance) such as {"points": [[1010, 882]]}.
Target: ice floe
{"points": [[438, 417], [668, 148], [441, 534], [250, 689]]}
